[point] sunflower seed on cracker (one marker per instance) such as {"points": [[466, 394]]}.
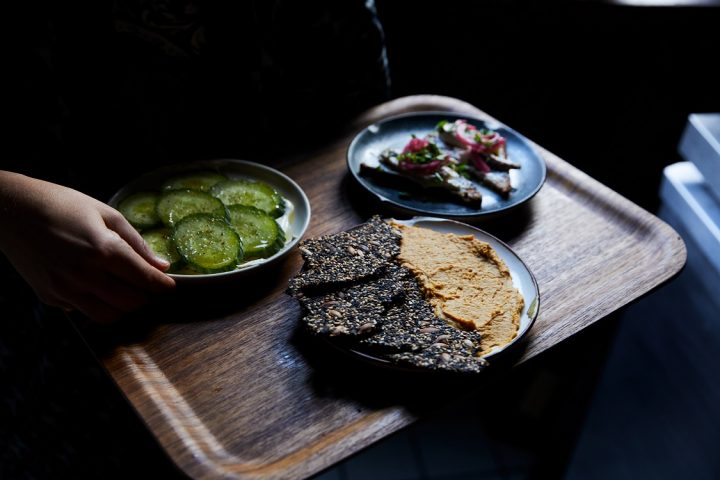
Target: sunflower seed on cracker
{"points": [[412, 326], [435, 359], [346, 257], [356, 310]]}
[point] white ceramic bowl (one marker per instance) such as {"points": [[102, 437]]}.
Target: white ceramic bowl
{"points": [[298, 217]]}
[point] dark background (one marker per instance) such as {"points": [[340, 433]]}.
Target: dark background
{"points": [[606, 87]]}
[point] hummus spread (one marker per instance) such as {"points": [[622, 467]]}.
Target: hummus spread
{"points": [[465, 282]]}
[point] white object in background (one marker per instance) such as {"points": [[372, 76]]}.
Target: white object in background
{"points": [[700, 144], [685, 193]]}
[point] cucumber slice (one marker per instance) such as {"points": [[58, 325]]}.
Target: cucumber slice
{"points": [[208, 243], [202, 181], [175, 205], [260, 233], [161, 243], [255, 194], [139, 209]]}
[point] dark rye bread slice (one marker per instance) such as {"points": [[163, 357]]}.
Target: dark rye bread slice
{"points": [[354, 311], [346, 257], [412, 326]]}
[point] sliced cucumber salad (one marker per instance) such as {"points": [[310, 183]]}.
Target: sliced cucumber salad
{"points": [[175, 205], [202, 181], [204, 222], [260, 233], [208, 242], [140, 209], [161, 243], [255, 194]]}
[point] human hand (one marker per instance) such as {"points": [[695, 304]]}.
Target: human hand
{"points": [[76, 252]]}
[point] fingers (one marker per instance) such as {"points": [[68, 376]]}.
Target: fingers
{"points": [[77, 252], [133, 269], [123, 259], [129, 273], [116, 222]]}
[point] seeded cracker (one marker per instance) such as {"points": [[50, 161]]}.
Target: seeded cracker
{"points": [[361, 253], [412, 326], [437, 358], [354, 311]]}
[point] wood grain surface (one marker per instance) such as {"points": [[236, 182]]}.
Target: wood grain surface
{"points": [[233, 389]]}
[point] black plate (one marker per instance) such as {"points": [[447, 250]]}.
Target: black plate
{"points": [[395, 132]]}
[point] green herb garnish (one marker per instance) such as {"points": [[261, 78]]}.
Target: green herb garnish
{"points": [[463, 169], [424, 155]]}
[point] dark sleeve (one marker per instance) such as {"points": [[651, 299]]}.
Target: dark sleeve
{"points": [[312, 65], [39, 111], [326, 55], [33, 115]]}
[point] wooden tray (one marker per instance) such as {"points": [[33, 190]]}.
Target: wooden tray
{"points": [[237, 392]]}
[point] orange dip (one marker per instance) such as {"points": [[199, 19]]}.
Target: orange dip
{"points": [[465, 281]]}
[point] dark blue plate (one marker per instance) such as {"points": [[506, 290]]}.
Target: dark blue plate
{"points": [[405, 197]]}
